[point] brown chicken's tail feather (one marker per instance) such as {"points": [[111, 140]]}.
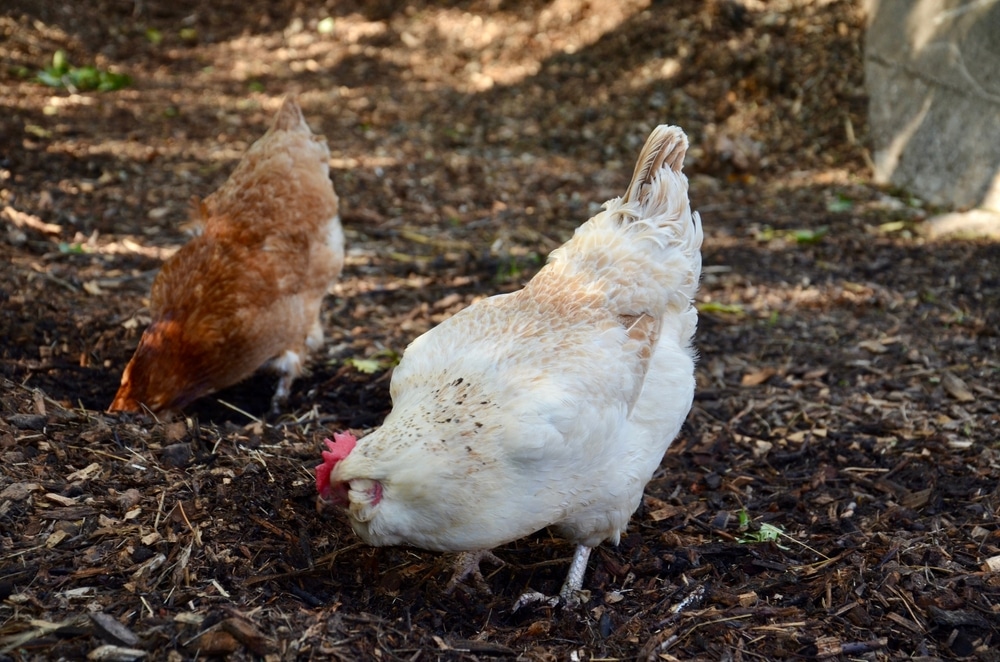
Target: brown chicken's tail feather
{"points": [[289, 117]]}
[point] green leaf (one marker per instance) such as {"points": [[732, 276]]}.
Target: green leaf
{"points": [[84, 78], [744, 519], [111, 81], [60, 64], [366, 366], [50, 78], [63, 75], [769, 532], [719, 307], [37, 131], [810, 236], [766, 533], [892, 226], [389, 357], [840, 203]]}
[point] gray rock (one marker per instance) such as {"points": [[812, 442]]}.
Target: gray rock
{"points": [[932, 69]]}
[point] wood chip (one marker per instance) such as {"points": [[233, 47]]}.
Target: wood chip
{"points": [[481, 647], [61, 500], [905, 622], [249, 636], [55, 538], [109, 653], [214, 642], [25, 220], [35, 422], [666, 512], [111, 630], [88, 472], [917, 499], [19, 491], [69, 513]]}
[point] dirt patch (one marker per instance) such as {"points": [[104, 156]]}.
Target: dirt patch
{"points": [[834, 493]]}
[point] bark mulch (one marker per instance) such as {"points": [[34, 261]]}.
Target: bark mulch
{"points": [[835, 493]]}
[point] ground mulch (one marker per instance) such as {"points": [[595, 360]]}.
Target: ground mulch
{"points": [[834, 494]]}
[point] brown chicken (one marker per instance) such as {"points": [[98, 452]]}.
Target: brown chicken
{"points": [[246, 291]]}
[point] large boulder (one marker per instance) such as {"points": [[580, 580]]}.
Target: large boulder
{"points": [[932, 68]]}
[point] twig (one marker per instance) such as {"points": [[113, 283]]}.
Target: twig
{"points": [[252, 581], [194, 532], [159, 510], [827, 647], [240, 411]]}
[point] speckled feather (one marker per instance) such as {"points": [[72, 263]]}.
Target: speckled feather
{"points": [[553, 405], [246, 290]]}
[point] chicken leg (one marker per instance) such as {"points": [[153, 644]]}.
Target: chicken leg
{"points": [[570, 594], [467, 565]]}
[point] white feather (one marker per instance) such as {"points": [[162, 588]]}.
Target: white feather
{"points": [[551, 406]]}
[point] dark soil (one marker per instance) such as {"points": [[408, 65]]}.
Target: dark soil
{"points": [[834, 494]]}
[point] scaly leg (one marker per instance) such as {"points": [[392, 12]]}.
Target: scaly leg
{"points": [[467, 565], [570, 595], [289, 366]]}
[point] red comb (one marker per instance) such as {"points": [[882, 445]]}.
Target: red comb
{"points": [[340, 447]]}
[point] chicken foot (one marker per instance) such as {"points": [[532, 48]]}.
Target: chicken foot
{"points": [[570, 595], [467, 565]]}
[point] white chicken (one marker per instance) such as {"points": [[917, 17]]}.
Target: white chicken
{"points": [[548, 407]]}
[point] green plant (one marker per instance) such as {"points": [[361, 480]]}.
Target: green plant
{"points": [[839, 203], [62, 74], [768, 533], [810, 236], [719, 307], [381, 360]]}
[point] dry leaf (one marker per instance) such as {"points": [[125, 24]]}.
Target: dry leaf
{"points": [[956, 388], [873, 346], [757, 378], [91, 287]]}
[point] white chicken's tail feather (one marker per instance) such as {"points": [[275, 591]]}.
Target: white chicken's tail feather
{"points": [[666, 146], [644, 250]]}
